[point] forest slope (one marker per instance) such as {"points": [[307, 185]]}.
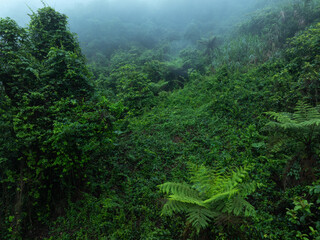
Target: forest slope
{"points": [[144, 115]]}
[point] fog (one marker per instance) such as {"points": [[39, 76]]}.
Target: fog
{"points": [[182, 9], [19, 9], [110, 24]]}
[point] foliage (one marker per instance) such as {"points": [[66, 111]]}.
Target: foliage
{"points": [[304, 62], [305, 120], [244, 49], [281, 21], [304, 214], [47, 29], [132, 87], [69, 169], [54, 130], [303, 127], [213, 195]]}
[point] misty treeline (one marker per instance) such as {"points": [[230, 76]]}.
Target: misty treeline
{"points": [[166, 120], [176, 24]]}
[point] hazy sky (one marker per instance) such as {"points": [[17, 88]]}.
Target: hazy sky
{"points": [[18, 9]]}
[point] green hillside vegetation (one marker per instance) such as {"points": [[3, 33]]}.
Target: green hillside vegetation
{"points": [[219, 140]]}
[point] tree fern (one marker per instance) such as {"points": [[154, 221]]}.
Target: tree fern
{"points": [[303, 118], [211, 195], [303, 127]]}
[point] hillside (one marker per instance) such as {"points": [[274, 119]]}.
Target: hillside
{"points": [[217, 138]]}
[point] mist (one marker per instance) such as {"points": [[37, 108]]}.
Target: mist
{"points": [[161, 11], [106, 25]]}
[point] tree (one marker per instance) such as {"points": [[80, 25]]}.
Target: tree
{"points": [[47, 29], [210, 45], [213, 195], [133, 87], [52, 125]]}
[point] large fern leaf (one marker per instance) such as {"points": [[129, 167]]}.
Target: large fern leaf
{"points": [[181, 189], [212, 193], [174, 207], [302, 125], [200, 217], [303, 117]]}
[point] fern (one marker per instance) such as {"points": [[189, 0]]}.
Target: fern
{"points": [[303, 118], [211, 195], [199, 217], [174, 207], [181, 188], [303, 128], [302, 125]]}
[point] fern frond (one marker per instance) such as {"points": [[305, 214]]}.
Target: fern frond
{"points": [[181, 189], [235, 178], [238, 206], [202, 177], [281, 117], [238, 175], [247, 188], [213, 193], [310, 123], [187, 199], [200, 217], [249, 210], [304, 112], [172, 206], [221, 196], [301, 125]]}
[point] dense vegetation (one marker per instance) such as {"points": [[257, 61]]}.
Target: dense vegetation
{"points": [[217, 138]]}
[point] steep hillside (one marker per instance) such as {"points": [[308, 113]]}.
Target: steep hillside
{"points": [[218, 118], [218, 141]]}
